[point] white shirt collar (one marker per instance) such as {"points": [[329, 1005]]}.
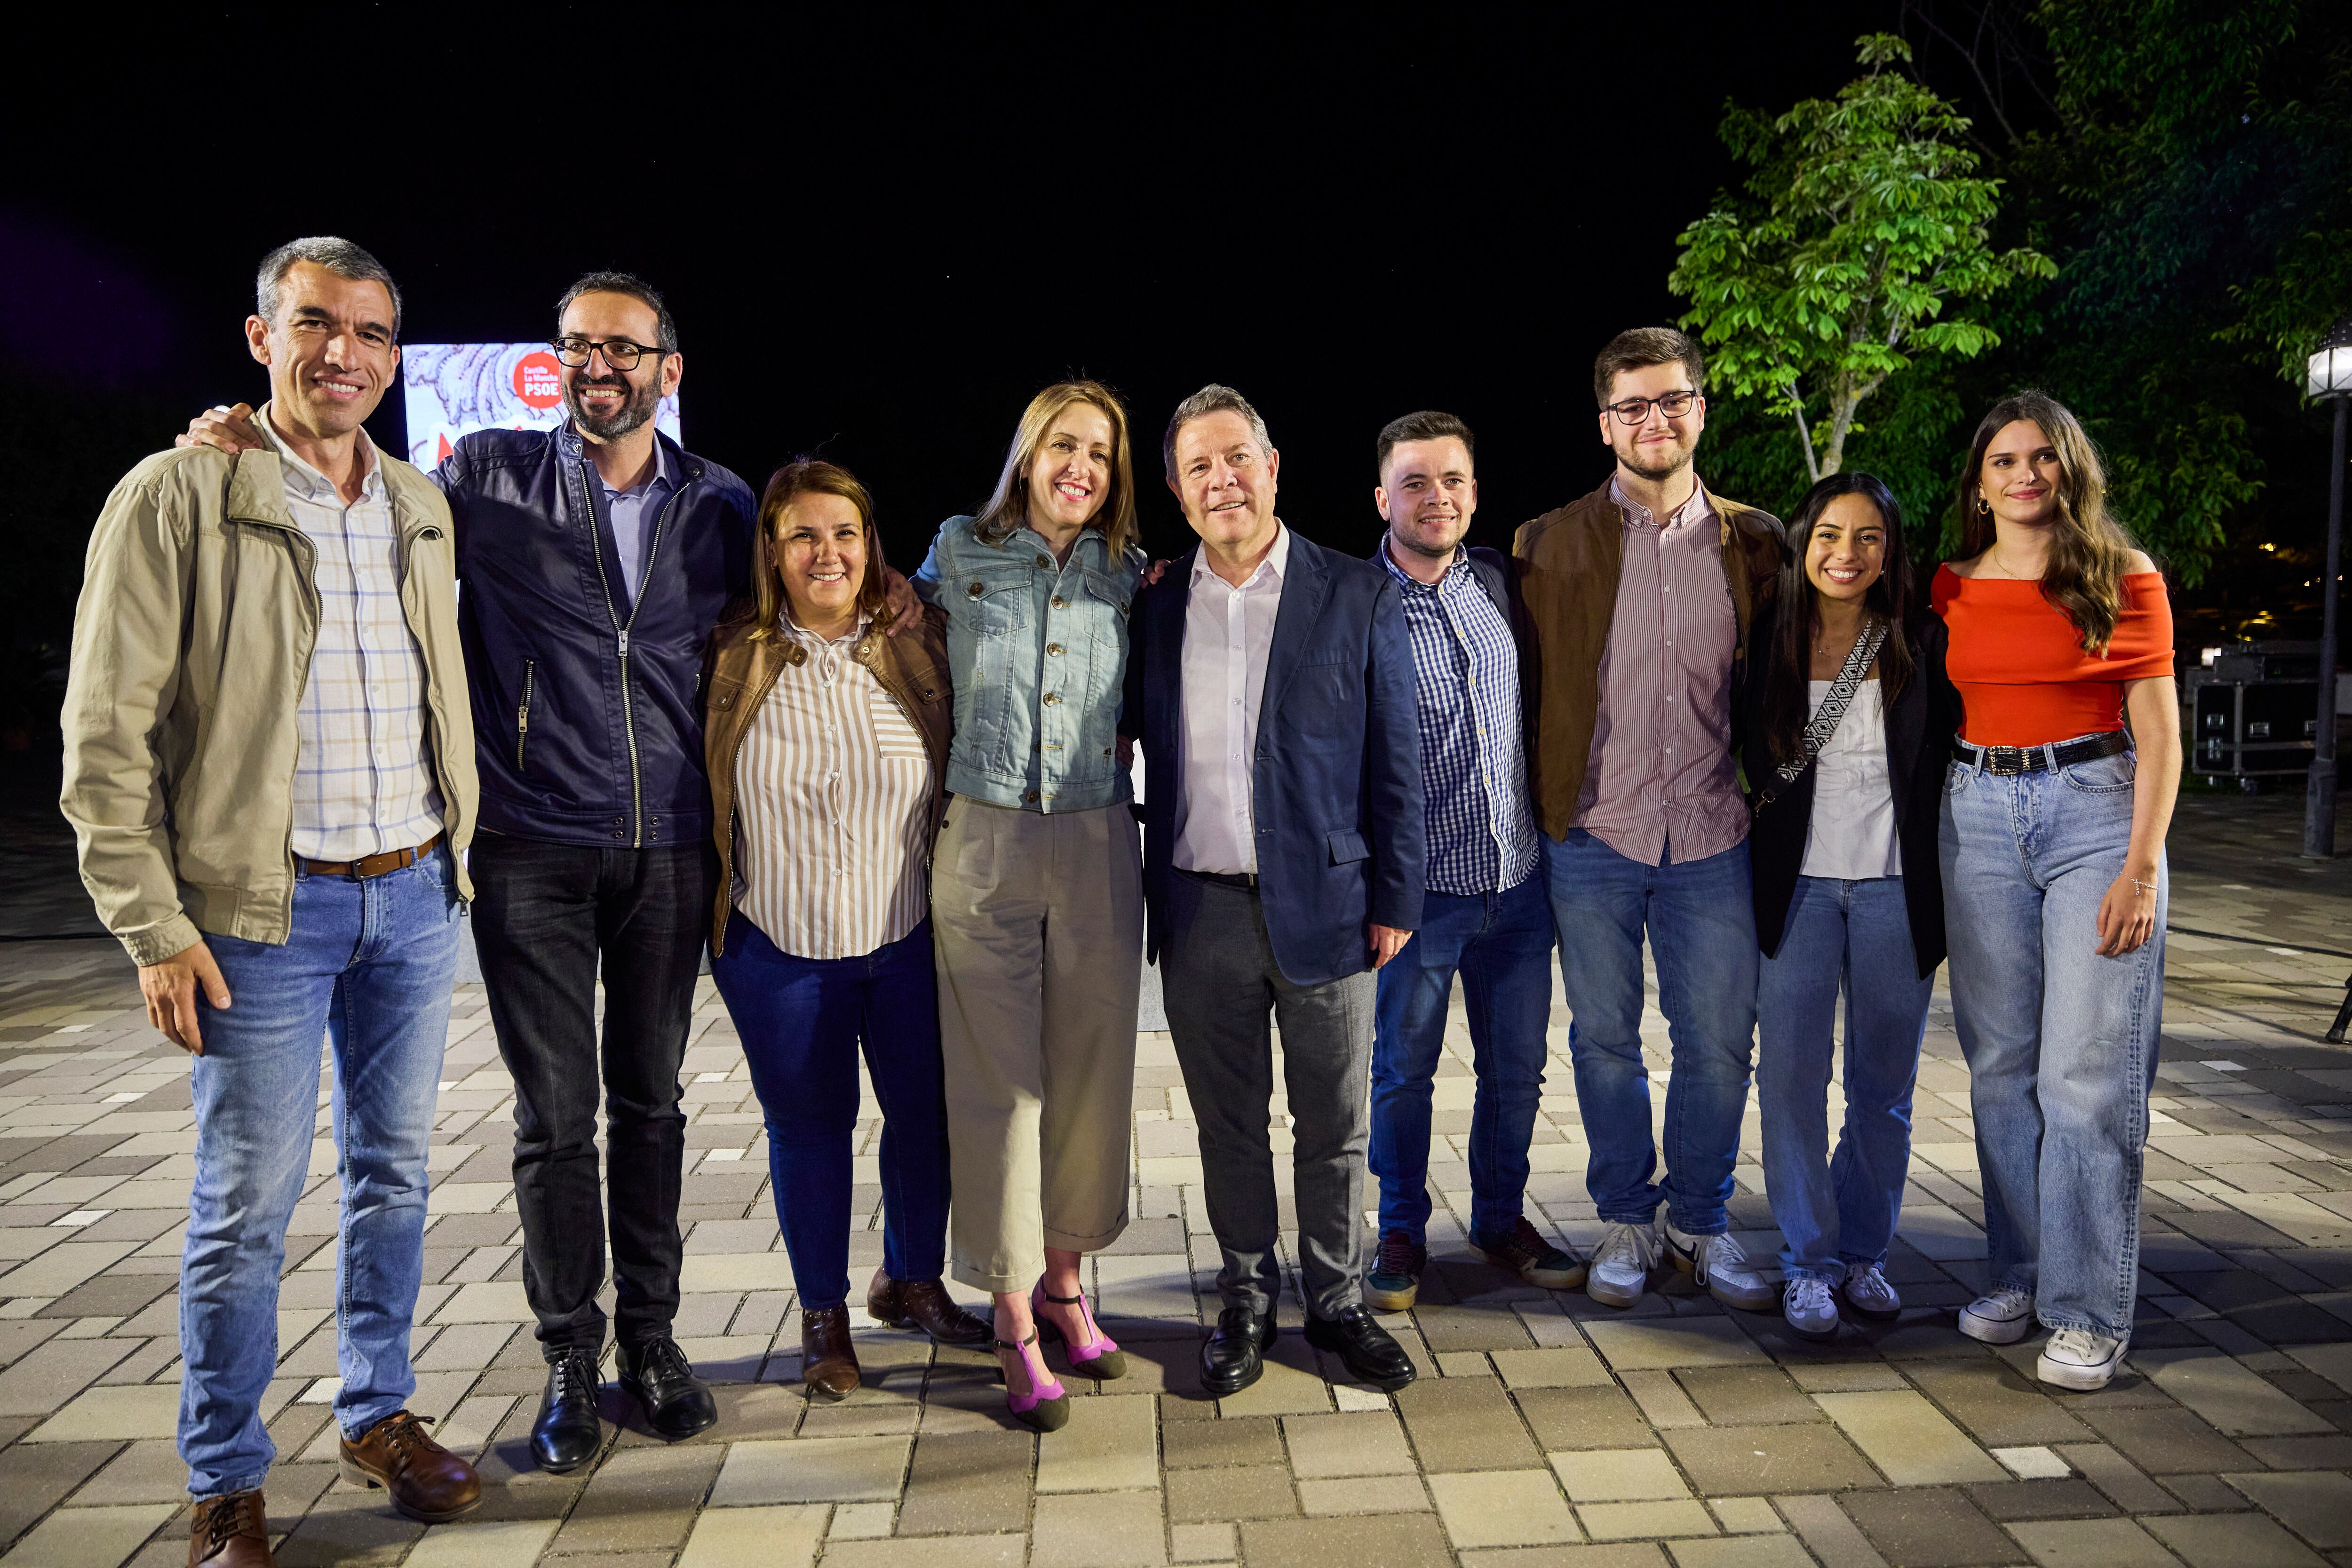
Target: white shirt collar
{"points": [[1270, 570], [302, 475]]}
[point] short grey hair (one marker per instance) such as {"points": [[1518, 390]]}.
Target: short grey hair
{"points": [[1213, 398], [338, 255]]}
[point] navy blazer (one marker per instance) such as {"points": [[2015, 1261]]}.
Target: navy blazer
{"points": [[1335, 789]]}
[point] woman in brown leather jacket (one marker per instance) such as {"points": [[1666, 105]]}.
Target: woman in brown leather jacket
{"points": [[826, 745]]}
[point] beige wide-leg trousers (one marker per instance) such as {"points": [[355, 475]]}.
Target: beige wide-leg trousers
{"points": [[1037, 922]]}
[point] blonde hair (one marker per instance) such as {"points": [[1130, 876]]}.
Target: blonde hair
{"points": [[2088, 549], [1007, 507], [810, 476]]}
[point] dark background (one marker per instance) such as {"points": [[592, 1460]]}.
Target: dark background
{"points": [[882, 231]]}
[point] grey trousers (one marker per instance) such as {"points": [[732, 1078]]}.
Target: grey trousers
{"points": [[1220, 980]]}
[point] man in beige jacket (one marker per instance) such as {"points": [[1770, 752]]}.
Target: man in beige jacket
{"points": [[269, 769]]}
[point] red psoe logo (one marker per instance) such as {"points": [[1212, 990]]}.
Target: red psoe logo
{"points": [[538, 380]]}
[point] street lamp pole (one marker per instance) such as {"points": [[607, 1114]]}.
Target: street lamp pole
{"points": [[2331, 377]]}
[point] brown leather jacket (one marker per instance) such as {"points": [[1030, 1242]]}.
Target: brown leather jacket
{"points": [[912, 668], [1566, 565]]}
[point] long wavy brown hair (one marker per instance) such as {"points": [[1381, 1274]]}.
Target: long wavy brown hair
{"points": [[811, 476], [2088, 549], [1007, 507]]}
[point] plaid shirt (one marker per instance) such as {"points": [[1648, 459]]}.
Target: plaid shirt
{"points": [[1482, 836], [362, 775]]}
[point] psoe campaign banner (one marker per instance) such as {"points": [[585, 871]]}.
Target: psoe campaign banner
{"points": [[455, 389]]}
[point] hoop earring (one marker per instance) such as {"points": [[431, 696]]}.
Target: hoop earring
{"points": [[1984, 506]]}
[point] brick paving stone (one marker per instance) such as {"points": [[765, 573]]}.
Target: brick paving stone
{"points": [[967, 1483], [2164, 1441], [814, 1469], [2232, 1398], [1748, 1552], [501, 1543], [1203, 1542], [2231, 1540], [1400, 1538], [2093, 1543], [1929, 1527], [90, 1537], [1637, 1342], [1112, 1444], [1747, 1396], [1363, 1494], [1464, 1424], [1099, 1530], [1619, 1475], [1634, 1521], [1369, 1443], [930, 1552], [1565, 1366], [2052, 1499], [35, 1480], [2315, 1504], [1502, 1508], [1909, 1439], [1739, 1460], [1999, 1406], [1565, 1418], [1603, 1554], [1240, 1492], [1233, 1440]]}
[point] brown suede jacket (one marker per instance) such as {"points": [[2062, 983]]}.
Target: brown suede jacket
{"points": [[1566, 566], [738, 672]]}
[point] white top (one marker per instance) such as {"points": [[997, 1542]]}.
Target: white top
{"points": [[1228, 632], [832, 797], [1852, 835], [364, 778]]}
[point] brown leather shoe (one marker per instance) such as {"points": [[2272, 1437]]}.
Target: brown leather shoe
{"points": [[923, 1304], [230, 1531], [828, 1361], [427, 1482]]}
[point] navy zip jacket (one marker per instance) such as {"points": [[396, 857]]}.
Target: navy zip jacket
{"points": [[587, 705], [1335, 789]]}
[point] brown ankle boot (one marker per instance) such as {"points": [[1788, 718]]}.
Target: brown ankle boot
{"points": [[828, 1361], [924, 1305], [230, 1531], [425, 1480]]}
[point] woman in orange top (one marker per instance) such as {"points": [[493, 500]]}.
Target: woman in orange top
{"points": [[2051, 845]]}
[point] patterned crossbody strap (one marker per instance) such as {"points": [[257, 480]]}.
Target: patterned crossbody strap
{"points": [[1824, 721]]}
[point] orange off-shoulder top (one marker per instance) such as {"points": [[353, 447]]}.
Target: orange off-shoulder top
{"points": [[2018, 662]]}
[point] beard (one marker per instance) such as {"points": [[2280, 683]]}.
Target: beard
{"points": [[1419, 546], [642, 401], [1658, 468]]}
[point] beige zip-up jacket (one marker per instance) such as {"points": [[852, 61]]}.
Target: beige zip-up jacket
{"points": [[191, 646]]}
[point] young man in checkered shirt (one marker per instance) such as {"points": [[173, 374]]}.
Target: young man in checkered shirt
{"points": [[1485, 916]]}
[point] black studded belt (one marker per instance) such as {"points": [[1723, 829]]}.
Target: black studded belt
{"points": [[2042, 759]]}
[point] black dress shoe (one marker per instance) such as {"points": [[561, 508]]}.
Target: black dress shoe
{"points": [[1370, 1351], [567, 1433], [657, 1375], [1235, 1353]]}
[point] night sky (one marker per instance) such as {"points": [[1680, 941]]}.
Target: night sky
{"points": [[881, 235]]}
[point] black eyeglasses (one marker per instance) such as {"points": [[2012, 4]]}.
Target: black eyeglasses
{"points": [[1634, 410], [619, 353]]}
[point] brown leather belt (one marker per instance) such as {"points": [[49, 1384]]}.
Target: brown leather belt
{"points": [[367, 865]]}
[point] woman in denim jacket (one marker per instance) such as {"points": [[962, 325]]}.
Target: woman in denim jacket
{"points": [[1036, 882]]}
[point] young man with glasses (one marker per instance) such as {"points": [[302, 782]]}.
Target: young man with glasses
{"points": [[1637, 601], [596, 559]]}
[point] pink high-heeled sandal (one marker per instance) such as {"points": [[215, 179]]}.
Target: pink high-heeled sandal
{"points": [[1038, 1409], [1101, 1356]]}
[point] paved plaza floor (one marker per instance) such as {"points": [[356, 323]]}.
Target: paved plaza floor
{"points": [[1544, 1431]]}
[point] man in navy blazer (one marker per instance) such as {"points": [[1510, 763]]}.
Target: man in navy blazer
{"points": [[1271, 684]]}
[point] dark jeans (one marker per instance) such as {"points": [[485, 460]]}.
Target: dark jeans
{"points": [[543, 914], [1500, 943], [801, 1021]]}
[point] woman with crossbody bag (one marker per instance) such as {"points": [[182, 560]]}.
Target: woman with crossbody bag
{"points": [[2053, 848], [1848, 726]]}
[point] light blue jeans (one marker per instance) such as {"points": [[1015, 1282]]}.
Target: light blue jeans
{"points": [[369, 965], [1701, 925], [1838, 1211], [2061, 1043]]}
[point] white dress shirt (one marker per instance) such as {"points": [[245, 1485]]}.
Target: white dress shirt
{"points": [[1228, 632], [1851, 835]]}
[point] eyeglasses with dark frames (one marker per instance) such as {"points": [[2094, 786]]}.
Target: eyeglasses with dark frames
{"points": [[1673, 404], [619, 353]]}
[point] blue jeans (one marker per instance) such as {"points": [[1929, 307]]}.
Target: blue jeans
{"points": [[801, 1021], [370, 966], [1839, 1212], [1501, 943], [1702, 932], [2061, 1043]]}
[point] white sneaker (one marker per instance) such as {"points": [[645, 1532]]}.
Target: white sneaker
{"points": [[2079, 1359], [2000, 1318], [1866, 1291], [1619, 1270], [1810, 1307], [1717, 1263]]}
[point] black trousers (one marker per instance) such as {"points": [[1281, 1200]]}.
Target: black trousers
{"points": [[543, 914]]}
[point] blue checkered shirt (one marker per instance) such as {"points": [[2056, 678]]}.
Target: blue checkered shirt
{"points": [[1482, 837]]}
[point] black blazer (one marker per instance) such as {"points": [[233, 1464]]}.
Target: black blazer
{"points": [[1918, 743], [1335, 787]]}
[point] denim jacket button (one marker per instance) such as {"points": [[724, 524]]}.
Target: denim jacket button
{"points": [[1054, 648], [977, 590], [1042, 563]]}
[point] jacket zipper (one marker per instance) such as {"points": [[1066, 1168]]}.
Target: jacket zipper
{"points": [[620, 635], [522, 712]]}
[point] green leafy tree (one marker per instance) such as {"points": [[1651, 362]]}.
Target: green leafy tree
{"points": [[1866, 216]]}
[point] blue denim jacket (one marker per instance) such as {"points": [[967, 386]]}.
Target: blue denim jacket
{"points": [[1038, 655]]}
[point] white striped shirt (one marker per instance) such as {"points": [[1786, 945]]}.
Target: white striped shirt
{"points": [[364, 780], [833, 801]]}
